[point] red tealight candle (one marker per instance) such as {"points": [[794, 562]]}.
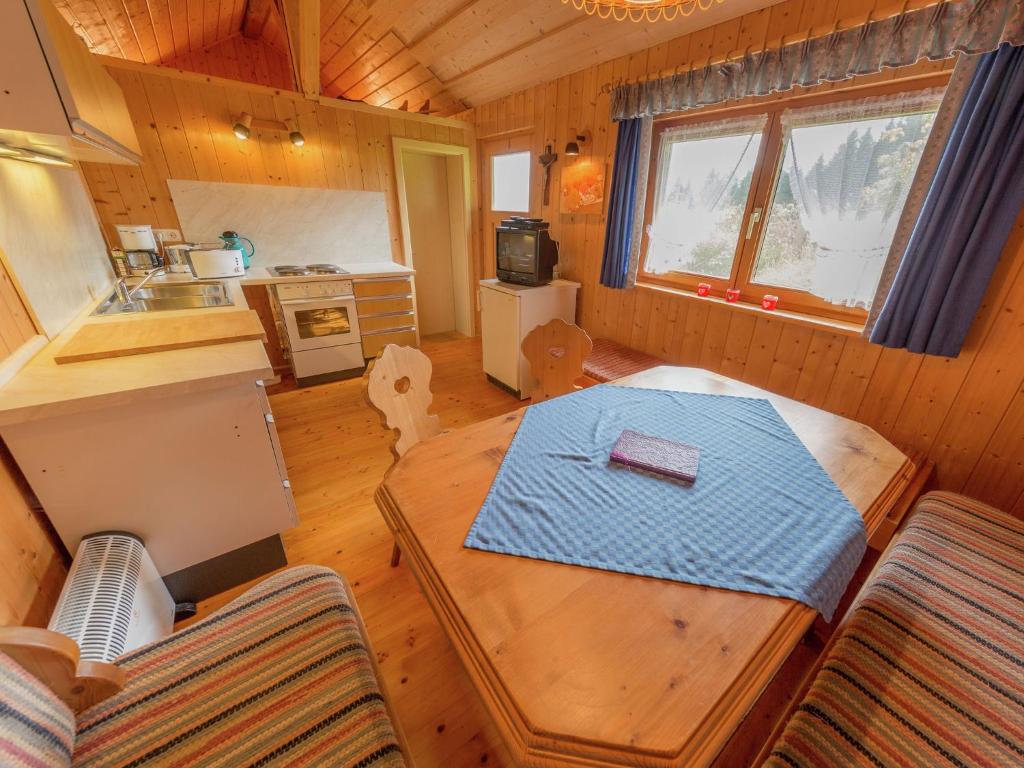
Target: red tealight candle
{"points": [[732, 294], [769, 302], [703, 289]]}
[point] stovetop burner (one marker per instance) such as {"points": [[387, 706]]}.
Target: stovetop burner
{"points": [[294, 270]]}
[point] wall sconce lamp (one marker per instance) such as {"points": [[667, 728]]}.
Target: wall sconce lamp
{"points": [[572, 149], [243, 126], [245, 123]]}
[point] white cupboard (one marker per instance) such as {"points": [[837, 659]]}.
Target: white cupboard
{"points": [[507, 314]]}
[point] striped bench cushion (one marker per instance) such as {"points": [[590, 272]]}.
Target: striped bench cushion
{"points": [[609, 360], [280, 676], [929, 669], [37, 730]]}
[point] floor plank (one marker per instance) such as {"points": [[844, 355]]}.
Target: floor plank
{"points": [[337, 454]]}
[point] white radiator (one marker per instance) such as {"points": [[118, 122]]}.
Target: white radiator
{"points": [[113, 600]]}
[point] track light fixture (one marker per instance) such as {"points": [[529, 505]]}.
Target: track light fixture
{"points": [[245, 123]]}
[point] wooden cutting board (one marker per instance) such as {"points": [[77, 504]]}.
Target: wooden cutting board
{"points": [[98, 341]]}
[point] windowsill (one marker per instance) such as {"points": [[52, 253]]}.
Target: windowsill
{"points": [[817, 322]]}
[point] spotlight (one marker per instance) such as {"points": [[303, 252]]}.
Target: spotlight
{"points": [[572, 149], [243, 128], [297, 138]]}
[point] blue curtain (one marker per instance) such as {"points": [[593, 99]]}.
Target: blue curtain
{"points": [[618, 236], [974, 200]]}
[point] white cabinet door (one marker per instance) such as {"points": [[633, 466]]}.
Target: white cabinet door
{"points": [[499, 326], [195, 476]]}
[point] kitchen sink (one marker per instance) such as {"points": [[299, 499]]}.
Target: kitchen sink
{"points": [[167, 296]]}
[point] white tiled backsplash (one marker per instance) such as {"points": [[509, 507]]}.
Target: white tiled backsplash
{"points": [[288, 225]]}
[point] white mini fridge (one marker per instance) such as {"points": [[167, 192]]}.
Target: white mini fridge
{"points": [[507, 314]]}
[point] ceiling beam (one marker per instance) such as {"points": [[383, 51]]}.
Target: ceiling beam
{"points": [[257, 14], [302, 20]]}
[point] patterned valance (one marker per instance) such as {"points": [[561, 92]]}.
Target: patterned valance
{"points": [[934, 33]]}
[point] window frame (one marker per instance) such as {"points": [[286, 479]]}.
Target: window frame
{"points": [[767, 168]]}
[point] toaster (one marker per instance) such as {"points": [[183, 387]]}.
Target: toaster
{"points": [[218, 262]]}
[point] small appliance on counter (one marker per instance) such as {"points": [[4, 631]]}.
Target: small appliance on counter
{"points": [[141, 252], [233, 242], [526, 254], [218, 262], [177, 256]]}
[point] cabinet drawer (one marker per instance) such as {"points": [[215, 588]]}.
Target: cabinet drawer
{"points": [[372, 345], [386, 322], [367, 307], [401, 287]]}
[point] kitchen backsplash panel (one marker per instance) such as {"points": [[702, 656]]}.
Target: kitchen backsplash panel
{"points": [[288, 225]]}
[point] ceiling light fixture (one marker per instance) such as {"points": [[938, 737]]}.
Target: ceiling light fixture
{"points": [[641, 10]]}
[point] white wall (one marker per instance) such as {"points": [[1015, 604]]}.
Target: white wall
{"points": [[51, 237]]}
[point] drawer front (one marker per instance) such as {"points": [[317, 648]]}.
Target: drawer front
{"points": [[386, 322], [373, 344], [368, 307], [402, 287]]}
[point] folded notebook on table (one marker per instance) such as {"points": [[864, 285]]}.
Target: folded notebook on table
{"points": [[656, 455]]}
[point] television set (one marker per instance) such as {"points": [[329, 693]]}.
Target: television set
{"points": [[525, 252]]}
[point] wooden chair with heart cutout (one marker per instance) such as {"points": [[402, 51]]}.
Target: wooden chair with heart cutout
{"points": [[397, 386], [556, 351]]}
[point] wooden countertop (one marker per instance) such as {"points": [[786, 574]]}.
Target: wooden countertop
{"points": [[364, 271], [43, 389]]}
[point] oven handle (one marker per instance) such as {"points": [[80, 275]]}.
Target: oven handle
{"points": [[321, 300]]}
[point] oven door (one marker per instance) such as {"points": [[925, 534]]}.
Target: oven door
{"points": [[320, 323]]}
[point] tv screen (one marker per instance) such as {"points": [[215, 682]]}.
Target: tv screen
{"points": [[517, 251]]}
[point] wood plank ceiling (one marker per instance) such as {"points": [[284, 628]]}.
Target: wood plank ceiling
{"points": [[394, 53]]}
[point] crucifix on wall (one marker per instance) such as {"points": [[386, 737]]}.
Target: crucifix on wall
{"points": [[546, 161]]}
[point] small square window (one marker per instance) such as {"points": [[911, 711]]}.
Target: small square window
{"points": [[510, 182]]}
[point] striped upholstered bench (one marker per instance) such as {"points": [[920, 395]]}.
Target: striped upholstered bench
{"points": [[609, 360], [281, 676], [928, 669]]}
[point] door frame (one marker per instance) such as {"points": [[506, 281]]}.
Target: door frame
{"points": [[457, 160]]}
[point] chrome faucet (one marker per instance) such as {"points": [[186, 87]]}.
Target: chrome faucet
{"points": [[125, 294]]}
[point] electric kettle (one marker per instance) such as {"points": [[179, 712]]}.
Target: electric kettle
{"points": [[233, 242]]}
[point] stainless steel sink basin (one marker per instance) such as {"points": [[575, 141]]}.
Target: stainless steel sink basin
{"points": [[167, 296]]}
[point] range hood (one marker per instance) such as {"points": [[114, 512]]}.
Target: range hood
{"points": [[56, 99]]}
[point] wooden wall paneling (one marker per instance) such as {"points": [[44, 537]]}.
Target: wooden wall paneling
{"points": [[787, 361]]}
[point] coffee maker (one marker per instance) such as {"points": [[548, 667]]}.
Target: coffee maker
{"points": [[140, 248]]}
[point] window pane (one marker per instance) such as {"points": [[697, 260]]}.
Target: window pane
{"points": [[701, 192], [837, 202], [510, 182]]}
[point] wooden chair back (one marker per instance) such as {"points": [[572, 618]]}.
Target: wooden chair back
{"points": [[556, 351], [397, 386]]}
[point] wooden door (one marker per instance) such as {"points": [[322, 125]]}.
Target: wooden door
{"points": [[505, 190], [426, 187]]}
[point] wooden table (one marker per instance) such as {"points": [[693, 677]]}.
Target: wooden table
{"points": [[586, 667]]}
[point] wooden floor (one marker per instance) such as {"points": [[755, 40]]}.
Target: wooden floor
{"points": [[337, 453]]}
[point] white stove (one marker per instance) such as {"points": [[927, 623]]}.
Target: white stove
{"points": [[323, 329]]}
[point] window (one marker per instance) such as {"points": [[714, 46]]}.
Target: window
{"points": [[799, 201], [510, 182]]}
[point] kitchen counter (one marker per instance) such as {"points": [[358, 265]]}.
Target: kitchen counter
{"points": [[43, 388], [363, 271]]}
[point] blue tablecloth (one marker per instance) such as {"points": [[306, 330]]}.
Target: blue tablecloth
{"points": [[763, 516]]}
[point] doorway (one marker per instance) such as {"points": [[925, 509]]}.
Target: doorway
{"points": [[434, 202]]}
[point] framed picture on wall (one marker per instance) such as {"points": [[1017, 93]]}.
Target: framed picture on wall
{"points": [[583, 187]]}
